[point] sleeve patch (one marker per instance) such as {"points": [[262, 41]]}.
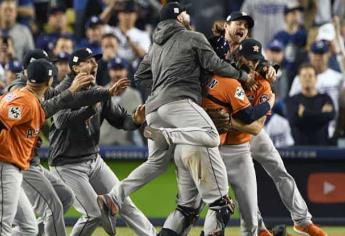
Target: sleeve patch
{"points": [[263, 98], [239, 93], [15, 113]]}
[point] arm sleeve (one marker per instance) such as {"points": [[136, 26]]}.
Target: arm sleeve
{"points": [[118, 117], [209, 60], [143, 76], [15, 113], [67, 100], [68, 118], [252, 113], [52, 92]]}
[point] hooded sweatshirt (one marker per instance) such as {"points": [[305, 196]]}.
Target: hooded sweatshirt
{"points": [[174, 63]]}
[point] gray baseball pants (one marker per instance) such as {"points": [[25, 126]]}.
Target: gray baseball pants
{"points": [[264, 152], [49, 197], [194, 139], [90, 179]]}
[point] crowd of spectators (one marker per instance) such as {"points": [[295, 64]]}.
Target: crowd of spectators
{"points": [[304, 37]]}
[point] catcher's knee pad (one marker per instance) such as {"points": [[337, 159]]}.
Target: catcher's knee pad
{"points": [[224, 208], [180, 221]]}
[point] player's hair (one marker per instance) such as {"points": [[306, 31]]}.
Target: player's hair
{"points": [[306, 66], [110, 35]]}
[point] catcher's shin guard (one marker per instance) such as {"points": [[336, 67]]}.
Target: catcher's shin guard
{"points": [[223, 209]]}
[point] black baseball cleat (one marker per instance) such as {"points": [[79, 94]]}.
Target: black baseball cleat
{"points": [[109, 209], [157, 136]]}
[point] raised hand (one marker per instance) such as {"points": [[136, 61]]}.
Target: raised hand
{"points": [[139, 115], [119, 87]]}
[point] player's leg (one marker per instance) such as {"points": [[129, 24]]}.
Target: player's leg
{"points": [[25, 220], [76, 176], [103, 179], [241, 176], [63, 191], [44, 200], [264, 152], [208, 173], [10, 187]]}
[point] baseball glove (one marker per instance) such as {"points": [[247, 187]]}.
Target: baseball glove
{"points": [[221, 119]]}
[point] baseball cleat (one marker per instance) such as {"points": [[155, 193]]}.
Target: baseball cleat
{"points": [[309, 230], [109, 209], [157, 136], [264, 232]]}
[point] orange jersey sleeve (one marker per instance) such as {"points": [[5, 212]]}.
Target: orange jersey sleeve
{"points": [[261, 94]]}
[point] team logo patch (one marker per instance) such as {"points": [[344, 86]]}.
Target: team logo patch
{"points": [[239, 93], [263, 98], [15, 113]]}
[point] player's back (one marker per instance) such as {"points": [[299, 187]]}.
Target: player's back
{"points": [[22, 115]]}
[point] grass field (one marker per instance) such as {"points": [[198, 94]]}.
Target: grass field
{"points": [[231, 231]]}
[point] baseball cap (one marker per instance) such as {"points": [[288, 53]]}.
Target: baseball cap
{"points": [[56, 9], [171, 10], [39, 71], [14, 66], [34, 54], [292, 6], [93, 21], [240, 15], [275, 46], [128, 6], [251, 49], [219, 45], [117, 63], [62, 56], [320, 47], [81, 55]]}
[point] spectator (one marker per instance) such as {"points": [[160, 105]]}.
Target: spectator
{"points": [[57, 26], [278, 128], [65, 44], [23, 38], [26, 11], [310, 112], [328, 81], [61, 62], [130, 99], [270, 17], [110, 47], [133, 43], [94, 31], [6, 50], [11, 69], [294, 39], [275, 54]]}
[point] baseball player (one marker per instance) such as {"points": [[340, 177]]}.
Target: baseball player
{"points": [[21, 117], [174, 62], [74, 154], [263, 150], [48, 195]]}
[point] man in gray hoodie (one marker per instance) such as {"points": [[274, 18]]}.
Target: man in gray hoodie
{"points": [[175, 63]]}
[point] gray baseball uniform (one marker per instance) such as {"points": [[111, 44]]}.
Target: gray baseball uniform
{"points": [[74, 158]]}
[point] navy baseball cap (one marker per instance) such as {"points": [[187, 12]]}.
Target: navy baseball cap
{"points": [[251, 49], [62, 56], [320, 47], [171, 10], [117, 64], [14, 66], [275, 46], [34, 54], [220, 46], [82, 55], [39, 71], [56, 9], [293, 6], [128, 6], [93, 21], [240, 15]]}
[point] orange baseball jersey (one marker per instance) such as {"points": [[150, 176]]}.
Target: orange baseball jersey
{"points": [[22, 115], [255, 97], [228, 91]]}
